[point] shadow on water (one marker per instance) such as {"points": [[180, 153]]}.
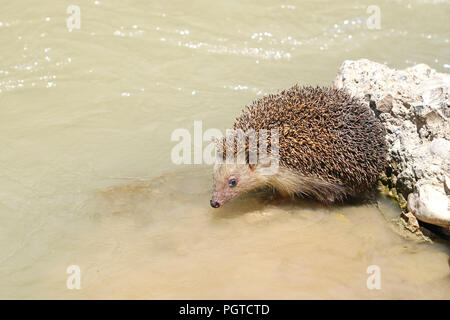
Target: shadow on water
{"points": [[193, 188], [190, 189]]}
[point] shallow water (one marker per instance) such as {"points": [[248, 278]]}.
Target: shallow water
{"points": [[86, 174]]}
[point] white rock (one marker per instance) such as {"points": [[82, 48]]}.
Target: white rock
{"points": [[430, 204], [414, 107], [441, 148]]}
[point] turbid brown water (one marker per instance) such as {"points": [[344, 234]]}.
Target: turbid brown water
{"points": [[86, 174]]}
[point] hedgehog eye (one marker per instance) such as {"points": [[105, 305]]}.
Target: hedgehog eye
{"points": [[232, 182]]}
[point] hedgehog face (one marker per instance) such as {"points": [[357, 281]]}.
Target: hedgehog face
{"points": [[232, 180]]}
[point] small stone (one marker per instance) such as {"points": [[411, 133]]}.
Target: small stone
{"points": [[411, 222], [385, 105], [430, 205], [440, 147]]}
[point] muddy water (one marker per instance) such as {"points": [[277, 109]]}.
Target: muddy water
{"points": [[86, 176]]}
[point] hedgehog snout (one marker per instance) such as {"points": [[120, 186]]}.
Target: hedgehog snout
{"points": [[214, 203]]}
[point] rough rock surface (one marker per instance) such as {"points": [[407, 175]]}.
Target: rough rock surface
{"points": [[414, 106]]}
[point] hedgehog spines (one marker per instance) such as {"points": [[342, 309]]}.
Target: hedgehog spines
{"points": [[324, 133]]}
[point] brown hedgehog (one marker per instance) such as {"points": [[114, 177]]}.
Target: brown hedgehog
{"points": [[329, 145]]}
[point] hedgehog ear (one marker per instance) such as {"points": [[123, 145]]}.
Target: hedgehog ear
{"points": [[264, 160]]}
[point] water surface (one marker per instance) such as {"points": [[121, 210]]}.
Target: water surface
{"points": [[86, 175]]}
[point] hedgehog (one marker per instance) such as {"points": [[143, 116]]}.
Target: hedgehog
{"points": [[329, 147]]}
